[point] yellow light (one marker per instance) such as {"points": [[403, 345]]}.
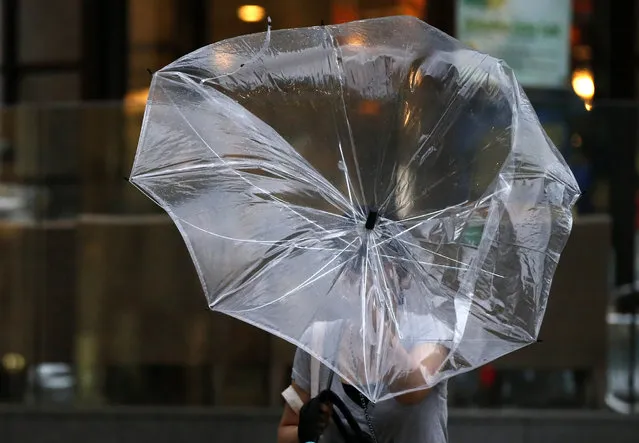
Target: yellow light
{"points": [[354, 40], [137, 98], [407, 117], [13, 362], [251, 13], [583, 84], [223, 60], [415, 78]]}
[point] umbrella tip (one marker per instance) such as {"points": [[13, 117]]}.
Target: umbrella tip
{"points": [[322, 22], [371, 219]]}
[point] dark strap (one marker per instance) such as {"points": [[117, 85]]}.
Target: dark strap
{"points": [[352, 393], [357, 436]]}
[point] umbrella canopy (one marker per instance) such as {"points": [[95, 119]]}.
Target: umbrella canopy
{"points": [[376, 182]]}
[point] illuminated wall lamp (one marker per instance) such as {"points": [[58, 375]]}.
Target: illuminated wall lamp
{"points": [[583, 84], [13, 362], [251, 13]]}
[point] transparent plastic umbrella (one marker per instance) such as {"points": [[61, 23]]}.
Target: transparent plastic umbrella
{"points": [[375, 183]]}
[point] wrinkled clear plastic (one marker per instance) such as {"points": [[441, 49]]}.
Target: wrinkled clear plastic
{"points": [[270, 151]]}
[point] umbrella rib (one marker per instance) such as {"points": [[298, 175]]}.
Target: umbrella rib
{"points": [[405, 231], [261, 242], [362, 293], [349, 185], [307, 208], [420, 266], [421, 247], [285, 172], [381, 162], [429, 251], [312, 279], [340, 75], [387, 302], [199, 136], [278, 172], [442, 266], [431, 215]]}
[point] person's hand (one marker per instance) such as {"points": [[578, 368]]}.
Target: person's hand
{"points": [[314, 417], [418, 365], [431, 357]]}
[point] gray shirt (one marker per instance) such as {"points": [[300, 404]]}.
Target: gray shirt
{"points": [[393, 422]]}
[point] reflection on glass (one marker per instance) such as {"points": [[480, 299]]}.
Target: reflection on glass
{"points": [[13, 362], [54, 383], [103, 306], [619, 364], [138, 331]]}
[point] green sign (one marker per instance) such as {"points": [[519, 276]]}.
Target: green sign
{"points": [[531, 36]]}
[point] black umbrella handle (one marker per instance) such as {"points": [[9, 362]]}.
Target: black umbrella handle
{"points": [[371, 219]]}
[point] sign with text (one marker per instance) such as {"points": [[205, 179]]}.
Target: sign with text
{"points": [[532, 36]]}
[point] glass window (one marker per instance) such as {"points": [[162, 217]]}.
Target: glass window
{"points": [[100, 301], [49, 32]]}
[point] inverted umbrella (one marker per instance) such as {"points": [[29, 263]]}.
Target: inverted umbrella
{"points": [[375, 181]]}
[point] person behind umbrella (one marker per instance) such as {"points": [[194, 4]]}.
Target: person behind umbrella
{"points": [[413, 416], [419, 415]]}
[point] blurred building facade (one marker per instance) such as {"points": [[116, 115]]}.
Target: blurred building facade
{"points": [[99, 303]]}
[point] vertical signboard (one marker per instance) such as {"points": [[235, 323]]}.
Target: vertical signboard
{"points": [[532, 36]]}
